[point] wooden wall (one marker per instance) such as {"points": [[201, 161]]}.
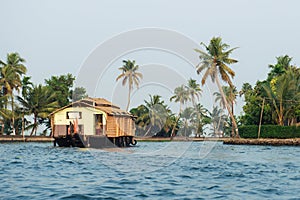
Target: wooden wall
{"points": [[120, 126]]}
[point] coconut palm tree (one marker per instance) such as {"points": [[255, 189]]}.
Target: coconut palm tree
{"points": [[282, 65], [26, 85], [200, 117], [215, 61], [181, 95], [142, 119], [130, 75], [39, 102], [217, 119], [11, 72], [187, 119], [194, 90], [231, 94], [284, 94], [158, 113], [246, 88]]}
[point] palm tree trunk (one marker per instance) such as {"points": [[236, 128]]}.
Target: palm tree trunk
{"points": [[128, 102], [227, 106], [232, 129], [147, 131], [175, 124], [34, 125], [23, 125], [13, 115]]}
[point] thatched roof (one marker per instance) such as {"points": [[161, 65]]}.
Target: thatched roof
{"points": [[99, 104]]}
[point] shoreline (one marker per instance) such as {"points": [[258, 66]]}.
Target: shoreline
{"points": [[263, 141], [225, 140], [18, 138]]}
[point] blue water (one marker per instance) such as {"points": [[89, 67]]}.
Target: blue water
{"points": [[152, 170]]}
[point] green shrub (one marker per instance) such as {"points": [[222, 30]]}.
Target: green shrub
{"points": [[270, 131]]}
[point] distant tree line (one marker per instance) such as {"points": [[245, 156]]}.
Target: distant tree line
{"points": [[274, 101], [24, 106]]}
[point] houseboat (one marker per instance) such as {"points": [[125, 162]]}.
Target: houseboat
{"points": [[92, 123]]}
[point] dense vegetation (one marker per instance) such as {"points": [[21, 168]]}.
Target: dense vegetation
{"points": [[270, 131], [26, 106], [273, 104], [274, 101]]}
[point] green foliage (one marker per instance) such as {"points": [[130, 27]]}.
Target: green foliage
{"points": [[153, 118], [39, 102], [131, 75], [281, 91], [62, 87], [11, 73], [270, 131], [79, 93]]}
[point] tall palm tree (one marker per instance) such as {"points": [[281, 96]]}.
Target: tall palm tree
{"points": [[130, 74], [194, 90], [215, 61], [39, 102], [181, 95], [231, 94], [11, 72]]}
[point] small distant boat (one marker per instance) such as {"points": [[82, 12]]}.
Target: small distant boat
{"points": [[92, 123]]}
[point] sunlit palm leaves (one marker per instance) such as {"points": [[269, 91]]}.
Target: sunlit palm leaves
{"points": [[39, 102], [215, 63], [130, 75]]}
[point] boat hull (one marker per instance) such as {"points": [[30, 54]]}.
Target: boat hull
{"points": [[93, 141]]}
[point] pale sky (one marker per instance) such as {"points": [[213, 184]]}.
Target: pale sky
{"points": [[56, 37]]}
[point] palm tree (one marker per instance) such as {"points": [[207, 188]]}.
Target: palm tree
{"points": [[231, 94], [158, 113], [200, 118], [282, 65], [130, 74], [217, 119], [284, 95], [39, 102], [11, 73], [181, 95], [187, 121], [246, 88], [26, 85], [194, 90], [215, 61], [142, 119]]}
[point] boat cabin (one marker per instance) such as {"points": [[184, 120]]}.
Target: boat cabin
{"points": [[94, 117]]}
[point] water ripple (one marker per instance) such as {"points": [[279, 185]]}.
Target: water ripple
{"points": [[39, 171]]}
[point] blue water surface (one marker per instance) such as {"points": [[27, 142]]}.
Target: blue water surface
{"points": [[152, 170]]}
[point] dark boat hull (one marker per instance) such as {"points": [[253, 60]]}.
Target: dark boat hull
{"points": [[93, 141]]}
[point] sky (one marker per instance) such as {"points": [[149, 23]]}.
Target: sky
{"points": [[58, 37]]}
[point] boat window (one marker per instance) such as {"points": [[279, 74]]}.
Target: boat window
{"points": [[74, 115]]}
